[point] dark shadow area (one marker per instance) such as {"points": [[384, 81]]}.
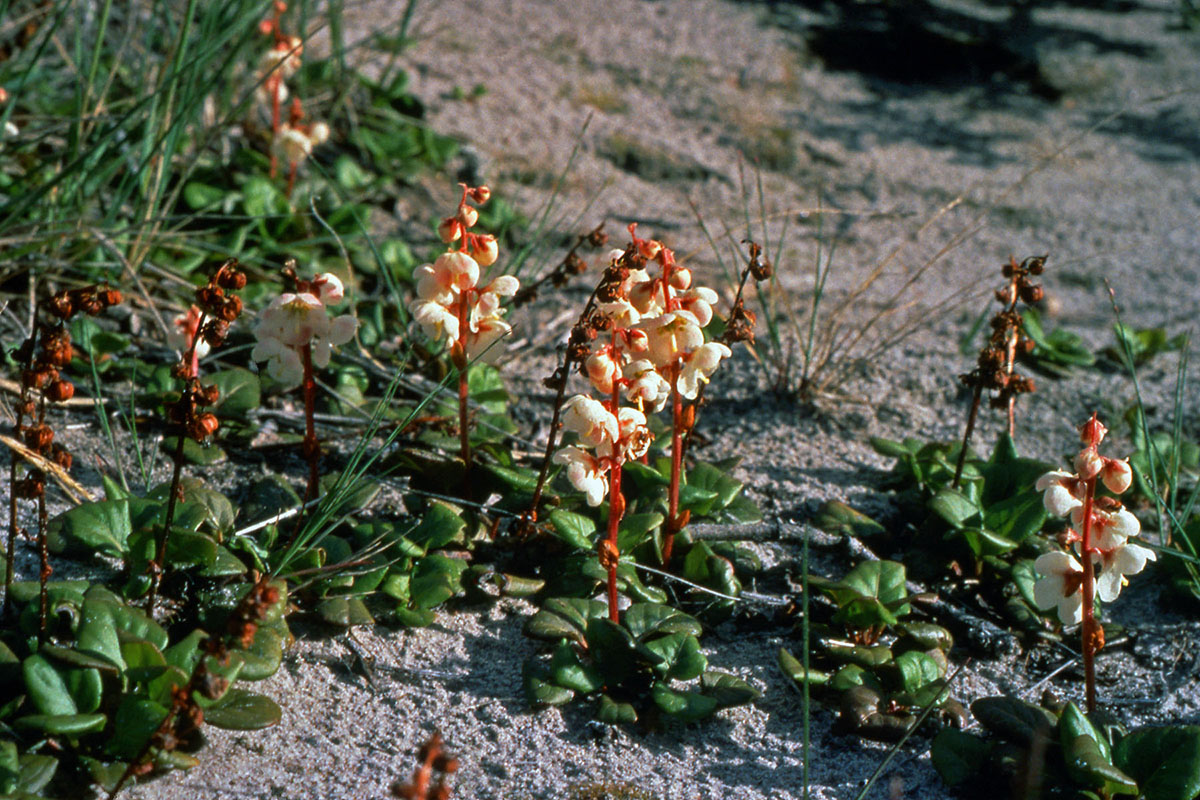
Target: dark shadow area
{"points": [[1168, 135], [923, 45]]}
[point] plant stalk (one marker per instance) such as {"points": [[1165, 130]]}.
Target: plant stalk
{"points": [[312, 447], [971, 418], [676, 467], [1090, 626]]}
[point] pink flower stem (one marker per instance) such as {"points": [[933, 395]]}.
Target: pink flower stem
{"points": [[460, 360], [611, 552], [673, 521], [1092, 633], [312, 447]]}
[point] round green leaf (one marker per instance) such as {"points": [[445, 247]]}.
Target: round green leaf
{"points": [[958, 756], [1165, 762], [240, 710], [47, 687]]}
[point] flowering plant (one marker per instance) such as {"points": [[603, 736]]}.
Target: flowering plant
{"points": [[1099, 536], [295, 334], [452, 307]]}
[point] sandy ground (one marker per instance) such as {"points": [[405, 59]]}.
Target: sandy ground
{"points": [[1072, 132]]}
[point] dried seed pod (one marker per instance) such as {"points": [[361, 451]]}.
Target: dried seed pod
{"points": [[60, 391]]}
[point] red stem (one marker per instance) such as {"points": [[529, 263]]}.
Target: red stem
{"points": [[460, 360], [616, 509], [1089, 600], [676, 466], [312, 449]]}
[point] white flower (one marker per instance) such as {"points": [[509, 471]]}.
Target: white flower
{"points": [[699, 366], [1115, 564], [436, 320], [1110, 528], [295, 320], [699, 301], [646, 385], [1061, 586], [671, 336], [602, 370], [635, 436], [585, 473], [1063, 492], [588, 417], [1117, 475], [483, 334]]}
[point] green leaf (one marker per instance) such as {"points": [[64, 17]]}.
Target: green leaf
{"points": [[240, 392], [955, 508], [890, 448], [564, 618], [837, 518], [344, 611], [201, 195], [917, 670], [926, 635], [646, 619], [137, 718], [792, 668], [711, 478], [883, 580], [614, 651], [435, 580], [1073, 722], [727, 690], [240, 710], [1016, 518], [263, 658], [685, 706], [958, 756], [47, 687], [1013, 719], [100, 527], [574, 529], [567, 670], [63, 724], [440, 525], [1164, 761], [635, 529], [610, 712], [540, 690], [682, 659], [1088, 765], [853, 675]]}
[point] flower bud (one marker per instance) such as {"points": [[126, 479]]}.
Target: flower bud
{"points": [[1091, 433], [449, 230], [467, 216], [1088, 464], [1117, 475], [681, 279], [480, 194], [110, 297], [484, 249]]}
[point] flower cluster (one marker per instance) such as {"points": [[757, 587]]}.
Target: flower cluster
{"points": [[292, 141], [298, 321], [203, 327], [1101, 531], [643, 341], [451, 305]]}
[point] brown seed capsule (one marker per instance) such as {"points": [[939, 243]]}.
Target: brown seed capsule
{"points": [[232, 279], [39, 438], [214, 332], [60, 391], [211, 394], [110, 297], [1032, 293], [61, 305], [232, 308], [597, 238]]}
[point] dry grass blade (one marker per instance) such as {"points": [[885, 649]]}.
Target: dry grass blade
{"points": [[73, 489]]}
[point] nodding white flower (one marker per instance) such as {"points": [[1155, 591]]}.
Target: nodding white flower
{"points": [[588, 417], [699, 365], [1088, 463], [436, 320], [1115, 564], [1063, 492], [602, 370], [1117, 475], [635, 435], [484, 331], [671, 336], [485, 250], [699, 300], [585, 472], [284, 57], [622, 312], [1060, 587], [646, 385], [295, 143], [1110, 527], [681, 279], [295, 320], [183, 331]]}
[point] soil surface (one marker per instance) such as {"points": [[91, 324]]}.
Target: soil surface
{"points": [[928, 146]]}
